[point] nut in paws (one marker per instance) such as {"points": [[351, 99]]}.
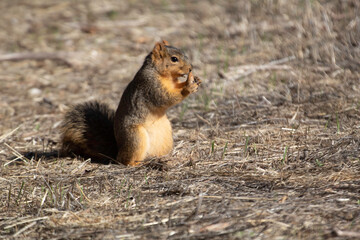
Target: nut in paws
{"points": [[193, 83]]}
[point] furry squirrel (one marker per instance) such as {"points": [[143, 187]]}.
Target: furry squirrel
{"points": [[139, 128]]}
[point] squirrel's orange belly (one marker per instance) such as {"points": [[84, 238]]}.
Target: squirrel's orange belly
{"points": [[160, 136]]}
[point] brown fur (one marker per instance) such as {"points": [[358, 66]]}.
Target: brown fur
{"points": [[87, 130], [141, 128]]}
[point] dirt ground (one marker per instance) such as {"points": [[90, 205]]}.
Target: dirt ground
{"points": [[267, 149]]}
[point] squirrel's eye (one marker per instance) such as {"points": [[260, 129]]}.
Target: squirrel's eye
{"points": [[174, 59]]}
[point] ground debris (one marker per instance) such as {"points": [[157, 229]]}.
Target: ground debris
{"points": [[267, 149]]}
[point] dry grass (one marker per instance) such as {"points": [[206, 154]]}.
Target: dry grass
{"points": [[267, 149]]}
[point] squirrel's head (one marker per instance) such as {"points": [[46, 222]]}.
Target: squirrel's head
{"points": [[170, 61]]}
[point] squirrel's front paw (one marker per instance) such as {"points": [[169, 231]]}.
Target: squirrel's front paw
{"points": [[193, 83]]}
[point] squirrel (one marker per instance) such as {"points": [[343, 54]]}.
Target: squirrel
{"points": [[139, 128]]}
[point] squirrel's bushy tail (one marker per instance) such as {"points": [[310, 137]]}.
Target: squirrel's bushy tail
{"points": [[88, 131]]}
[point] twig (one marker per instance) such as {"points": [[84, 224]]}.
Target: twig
{"points": [[245, 70], [282, 60], [49, 187], [6, 135], [43, 200], [203, 119], [82, 192], [60, 56], [190, 199], [24, 229], [17, 154], [340, 233], [75, 199], [236, 198], [80, 166], [162, 221], [26, 221]]}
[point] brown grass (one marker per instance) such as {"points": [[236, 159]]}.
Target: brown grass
{"points": [[269, 148]]}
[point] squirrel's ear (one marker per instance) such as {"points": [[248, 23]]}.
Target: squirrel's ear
{"points": [[159, 50], [166, 43]]}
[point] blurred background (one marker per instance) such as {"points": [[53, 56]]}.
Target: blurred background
{"points": [[104, 42]]}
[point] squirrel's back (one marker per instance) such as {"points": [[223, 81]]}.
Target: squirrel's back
{"points": [[88, 130]]}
